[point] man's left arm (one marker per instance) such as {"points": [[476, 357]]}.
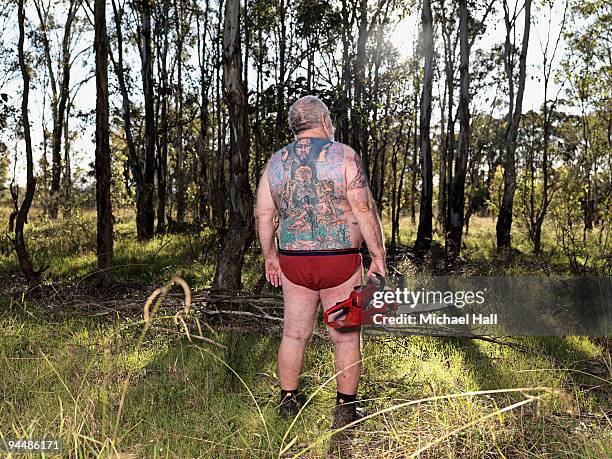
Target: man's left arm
{"points": [[265, 210]]}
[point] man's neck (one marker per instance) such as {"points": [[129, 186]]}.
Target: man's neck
{"points": [[316, 133]]}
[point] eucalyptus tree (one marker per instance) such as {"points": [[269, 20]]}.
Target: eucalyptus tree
{"points": [[550, 46], [513, 118], [457, 186], [59, 79], [203, 181], [239, 234], [425, 229], [104, 239], [144, 200], [24, 208], [161, 44], [146, 57]]}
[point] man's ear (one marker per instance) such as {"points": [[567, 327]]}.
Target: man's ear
{"points": [[324, 122], [327, 124]]}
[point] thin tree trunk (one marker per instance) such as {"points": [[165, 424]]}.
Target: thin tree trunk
{"points": [[219, 185], [56, 147], [395, 188], [181, 186], [203, 188], [359, 80], [456, 200], [67, 182], [103, 155], [44, 163], [240, 233], [400, 188], [548, 110], [442, 174], [162, 154], [58, 101], [279, 135], [424, 232], [24, 209], [258, 92], [415, 163], [346, 74], [149, 102], [133, 160], [504, 221]]}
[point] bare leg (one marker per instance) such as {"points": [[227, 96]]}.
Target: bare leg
{"points": [[347, 344], [301, 306]]}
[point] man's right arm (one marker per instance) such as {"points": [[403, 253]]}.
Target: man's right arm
{"points": [[265, 210], [362, 204]]}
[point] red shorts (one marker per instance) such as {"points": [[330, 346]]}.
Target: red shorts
{"points": [[319, 269]]}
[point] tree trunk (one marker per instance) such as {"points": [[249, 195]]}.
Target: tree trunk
{"points": [[103, 155], [219, 188], [415, 160], [400, 188], [58, 101], [504, 221], [359, 80], [148, 214], [442, 174], [133, 160], [181, 186], [548, 110], [395, 188], [346, 74], [162, 154], [203, 189], [56, 148], [258, 92], [67, 182], [457, 191], [424, 232], [240, 232], [447, 124], [279, 134], [24, 209]]}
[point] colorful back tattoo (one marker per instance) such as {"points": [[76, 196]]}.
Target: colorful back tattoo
{"points": [[307, 184]]}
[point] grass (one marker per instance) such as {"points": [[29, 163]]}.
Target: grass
{"points": [[63, 376], [64, 380]]}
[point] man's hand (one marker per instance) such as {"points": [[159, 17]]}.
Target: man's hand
{"points": [[377, 266], [272, 267]]}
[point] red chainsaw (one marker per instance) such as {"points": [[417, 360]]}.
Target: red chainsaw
{"points": [[357, 310]]}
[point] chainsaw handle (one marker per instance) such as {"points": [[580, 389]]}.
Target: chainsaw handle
{"points": [[339, 306], [335, 308]]}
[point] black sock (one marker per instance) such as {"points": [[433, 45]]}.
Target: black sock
{"points": [[342, 399], [288, 394]]}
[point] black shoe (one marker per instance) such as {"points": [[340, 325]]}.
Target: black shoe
{"points": [[290, 405], [346, 413]]}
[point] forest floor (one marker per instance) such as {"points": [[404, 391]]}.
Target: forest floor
{"points": [[69, 354]]}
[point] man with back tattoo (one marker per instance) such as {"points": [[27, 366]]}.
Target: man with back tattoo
{"points": [[320, 192]]}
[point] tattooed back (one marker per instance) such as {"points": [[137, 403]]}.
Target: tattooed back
{"points": [[308, 184]]}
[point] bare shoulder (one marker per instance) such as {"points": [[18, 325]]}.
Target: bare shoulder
{"points": [[355, 172], [281, 154], [348, 151]]}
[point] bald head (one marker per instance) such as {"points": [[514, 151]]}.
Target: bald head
{"points": [[306, 113]]}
